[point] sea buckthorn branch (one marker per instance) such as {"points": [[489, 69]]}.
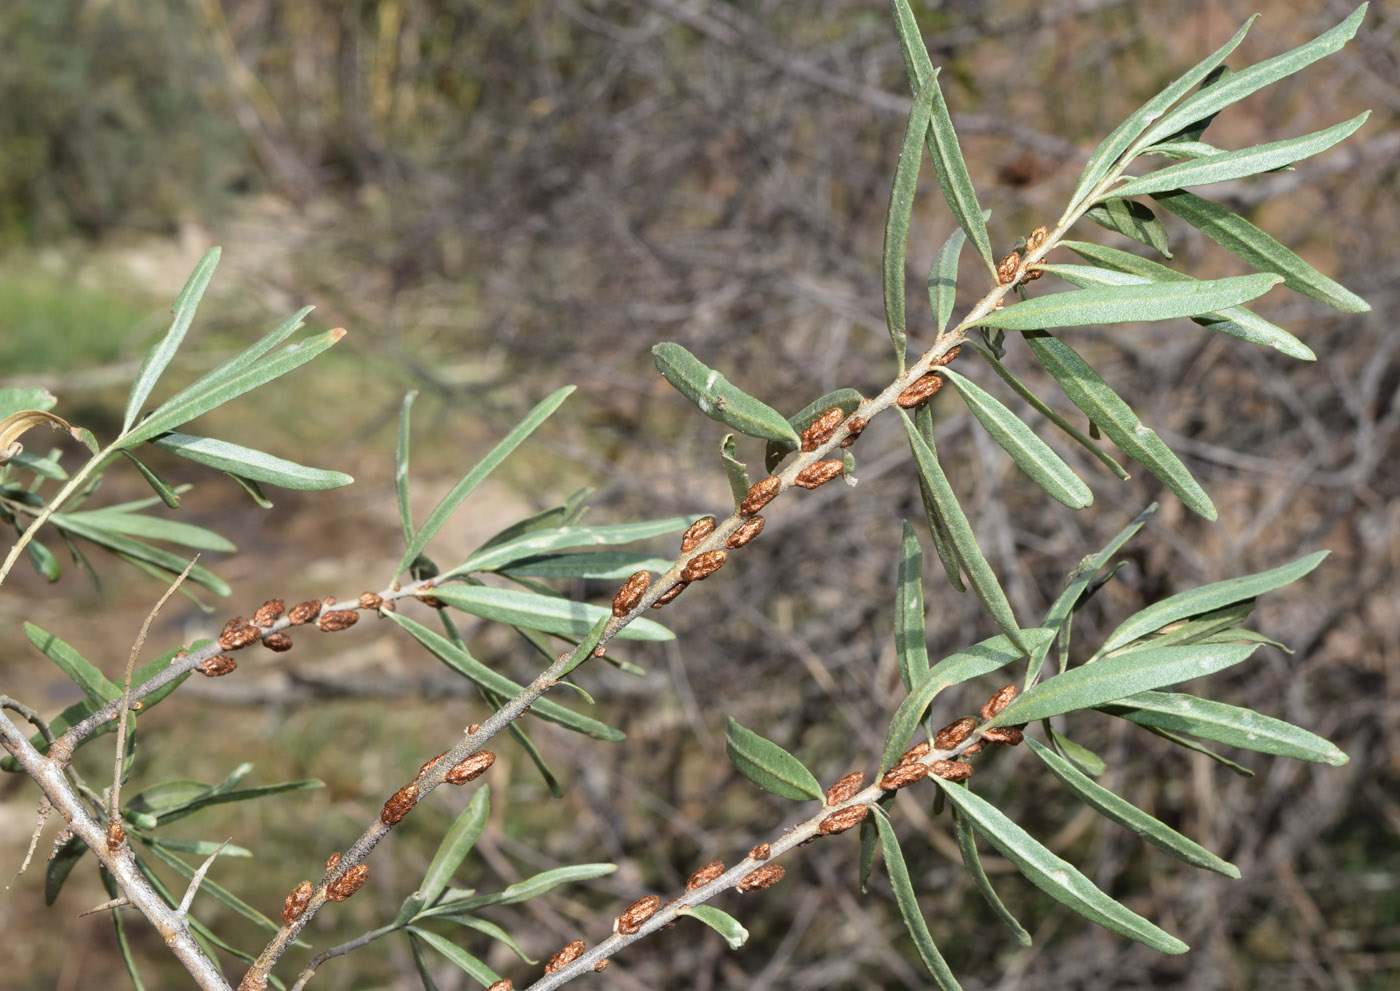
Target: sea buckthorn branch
{"points": [[846, 805]]}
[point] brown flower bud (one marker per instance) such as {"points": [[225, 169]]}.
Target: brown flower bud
{"points": [[430, 600], [953, 352], [998, 701], [429, 765], [339, 619], [296, 903], [304, 612], [638, 912], [845, 789], [705, 875], [115, 834], [238, 633], [976, 748], [371, 600], [855, 426], [764, 877], [472, 729], [903, 774], [821, 429], [277, 641], [601, 965], [269, 612], [761, 852], [818, 473], [565, 956], [761, 493], [1006, 268], [1036, 238], [631, 593], [332, 860], [504, 985], [398, 805], [750, 528], [669, 594], [921, 391], [951, 770], [348, 883], [703, 565], [697, 532], [954, 733], [839, 822], [1007, 736], [471, 768], [917, 752], [1032, 273], [217, 667]]}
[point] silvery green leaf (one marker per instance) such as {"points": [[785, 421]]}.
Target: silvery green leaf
{"points": [[1031, 454], [455, 846], [1056, 877], [908, 903], [1081, 757], [1242, 239], [154, 528], [401, 469], [943, 279], [1232, 725], [44, 467], [721, 922], [497, 556], [458, 957], [1112, 678], [1113, 146], [160, 355], [162, 489], [1207, 598], [79, 669], [1083, 386], [1131, 219], [735, 470], [1123, 812], [910, 641], [1243, 82], [937, 526], [602, 565], [906, 179], [718, 398], [162, 850], [768, 765], [14, 400], [468, 482], [43, 560], [967, 847], [979, 572], [1130, 304], [139, 551], [521, 891], [1245, 162], [550, 614], [259, 466]]}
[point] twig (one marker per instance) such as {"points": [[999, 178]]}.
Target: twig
{"points": [[195, 881], [107, 906], [338, 951]]}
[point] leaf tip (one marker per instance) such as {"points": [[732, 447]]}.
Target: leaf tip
{"points": [[336, 334]]}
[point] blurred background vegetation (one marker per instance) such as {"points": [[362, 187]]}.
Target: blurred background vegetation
{"points": [[498, 198]]}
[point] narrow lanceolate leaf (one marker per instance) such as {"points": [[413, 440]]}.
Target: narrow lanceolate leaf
{"points": [[953, 178], [460, 958], [495, 556], [1117, 677], [160, 355], [158, 485], [943, 279], [78, 668], [139, 551], [768, 765], [1056, 877], [1119, 268], [602, 565], [1130, 304], [846, 399], [718, 398], [459, 660], [1081, 757], [1123, 812], [908, 903], [910, 639], [455, 846], [401, 469], [980, 659], [721, 922], [979, 572], [1229, 724], [521, 891], [1031, 454], [1244, 240], [937, 525], [219, 386], [43, 561], [735, 470], [468, 483], [1083, 386], [1243, 82], [906, 179], [1132, 219], [1107, 154], [1208, 598], [248, 463], [1237, 164], [154, 528], [549, 614], [1039, 406], [967, 847]]}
